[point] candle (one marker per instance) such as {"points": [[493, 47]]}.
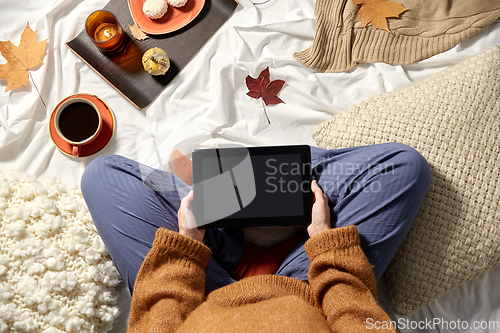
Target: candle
{"points": [[105, 32]]}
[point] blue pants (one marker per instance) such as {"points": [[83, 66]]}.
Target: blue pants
{"points": [[378, 188]]}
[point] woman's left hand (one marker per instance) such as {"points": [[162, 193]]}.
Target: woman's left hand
{"points": [[185, 215], [320, 216]]}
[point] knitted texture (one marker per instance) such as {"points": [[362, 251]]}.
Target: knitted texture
{"points": [[169, 293], [55, 272], [452, 119], [428, 27]]}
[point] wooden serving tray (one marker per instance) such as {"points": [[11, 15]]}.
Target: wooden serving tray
{"points": [[124, 70]]}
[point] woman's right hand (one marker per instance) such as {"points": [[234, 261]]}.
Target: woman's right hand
{"points": [[320, 216], [184, 215]]}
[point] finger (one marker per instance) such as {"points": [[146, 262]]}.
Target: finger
{"points": [[318, 193], [189, 197], [187, 201], [313, 186]]}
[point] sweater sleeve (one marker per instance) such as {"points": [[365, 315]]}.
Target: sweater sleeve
{"points": [[170, 283], [343, 282]]}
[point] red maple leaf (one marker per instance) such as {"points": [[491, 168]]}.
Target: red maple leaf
{"points": [[265, 88]]}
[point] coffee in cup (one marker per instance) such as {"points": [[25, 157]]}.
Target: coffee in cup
{"points": [[78, 122]]}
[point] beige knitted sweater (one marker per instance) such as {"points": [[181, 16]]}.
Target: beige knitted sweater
{"points": [[428, 27], [340, 296]]}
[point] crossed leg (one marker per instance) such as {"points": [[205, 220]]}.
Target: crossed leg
{"points": [[378, 188]]}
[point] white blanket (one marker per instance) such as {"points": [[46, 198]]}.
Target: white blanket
{"points": [[55, 272], [206, 104]]}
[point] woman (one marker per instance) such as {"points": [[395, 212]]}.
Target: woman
{"points": [[194, 280]]}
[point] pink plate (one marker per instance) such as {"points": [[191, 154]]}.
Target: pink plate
{"points": [[174, 18]]}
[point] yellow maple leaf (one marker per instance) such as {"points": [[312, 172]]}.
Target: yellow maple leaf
{"points": [[20, 59], [376, 12]]}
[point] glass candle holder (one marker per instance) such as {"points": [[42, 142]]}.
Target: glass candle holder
{"points": [[105, 31]]}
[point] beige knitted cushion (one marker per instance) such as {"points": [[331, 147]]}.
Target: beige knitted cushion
{"points": [[453, 120]]}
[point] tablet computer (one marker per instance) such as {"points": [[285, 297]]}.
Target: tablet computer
{"points": [[252, 186]]}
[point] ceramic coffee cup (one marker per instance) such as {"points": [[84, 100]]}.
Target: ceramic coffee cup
{"points": [[78, 122]]}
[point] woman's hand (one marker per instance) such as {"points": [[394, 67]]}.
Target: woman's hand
{"points": [[320, 211], [186, 217]]}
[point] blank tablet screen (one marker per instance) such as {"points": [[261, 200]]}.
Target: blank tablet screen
{"points": [[252, 186]]}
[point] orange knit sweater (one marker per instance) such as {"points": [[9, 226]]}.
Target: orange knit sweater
{"points": [[169, 292]]}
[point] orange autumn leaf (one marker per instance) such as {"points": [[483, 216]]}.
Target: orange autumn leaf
{"points": [[29, 54], [376, 12]]}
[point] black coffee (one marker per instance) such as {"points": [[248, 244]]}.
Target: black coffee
{"points": [[78, 121]]}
